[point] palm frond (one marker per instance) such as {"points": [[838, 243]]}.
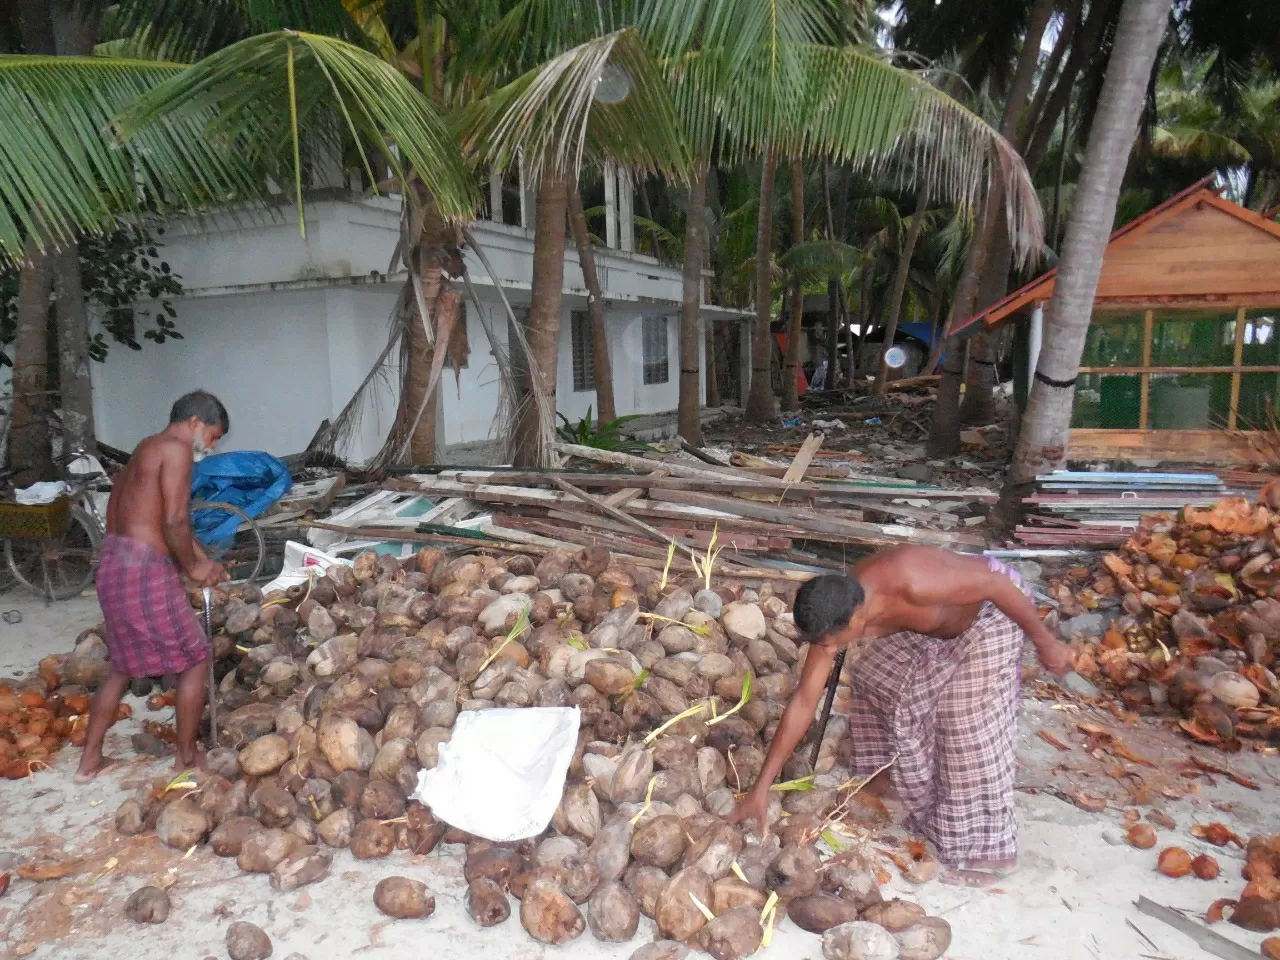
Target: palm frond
{"points": [[741, 29], [821, 258], [853, 106], [551, 115], [1177, 142], [267, 89], [61, 170]]}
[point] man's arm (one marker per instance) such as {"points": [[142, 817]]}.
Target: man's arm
{"points": [[796, 720], [175, 500]]}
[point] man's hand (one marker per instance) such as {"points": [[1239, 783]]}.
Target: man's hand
{"points": [[206, 573], [1056, 656], [754, 806]]}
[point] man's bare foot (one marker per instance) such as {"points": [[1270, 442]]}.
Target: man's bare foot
{"points": [[90, 768], [193, 761], [979, 873]]}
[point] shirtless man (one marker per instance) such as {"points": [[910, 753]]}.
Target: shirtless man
{"points": [[151, 629], [937, 642]]}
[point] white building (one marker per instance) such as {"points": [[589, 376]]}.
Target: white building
{"points": [[284, 329]]}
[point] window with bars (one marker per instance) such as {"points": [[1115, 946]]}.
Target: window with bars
{"points": [[584, 360], [655, 350]]}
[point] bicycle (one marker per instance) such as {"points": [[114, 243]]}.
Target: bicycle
{"points": [[62, 567]]}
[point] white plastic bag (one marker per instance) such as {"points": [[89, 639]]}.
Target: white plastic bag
{"points": [[300, 564], [501, 775]]}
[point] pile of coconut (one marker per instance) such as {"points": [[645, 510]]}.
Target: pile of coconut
{"points": [[332, 697]]}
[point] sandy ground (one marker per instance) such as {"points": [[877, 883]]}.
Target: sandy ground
{"points": [[1072, 897]]}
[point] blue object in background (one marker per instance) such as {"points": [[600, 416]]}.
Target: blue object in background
{"points": [[248, 479]]}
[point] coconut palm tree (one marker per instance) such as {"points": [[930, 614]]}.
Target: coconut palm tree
{"points": [[1042, 440]]}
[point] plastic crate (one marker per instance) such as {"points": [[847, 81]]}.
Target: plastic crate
{"points": [[38, 521]]}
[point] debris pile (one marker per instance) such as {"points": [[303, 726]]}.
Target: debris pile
{"points": [[1094, 509], [1199, 624], [334, 694]]}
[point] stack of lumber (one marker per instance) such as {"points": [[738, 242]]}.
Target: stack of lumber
{"points": [[637, 506], [1097, 509]]}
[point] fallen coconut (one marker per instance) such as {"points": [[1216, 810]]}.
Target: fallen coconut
{"points": [[486, 902], [549, 914], [926, 939], [732, 935], [404, 898], [859, 940], [819, 912], [894, 915], [247, 941], [147, 905]]}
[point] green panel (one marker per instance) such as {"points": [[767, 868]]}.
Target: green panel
{"points": [[1258, 392], [1189, 401], [1114, 340], [1261, 341], [1107, 402], [1183, 339]]}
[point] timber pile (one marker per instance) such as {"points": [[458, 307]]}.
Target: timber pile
{"points": [[760, 514], [1094, 509], [1200, 628], [334, 694]]}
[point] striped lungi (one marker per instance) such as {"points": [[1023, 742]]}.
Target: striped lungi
{"points": [[948, 709]]}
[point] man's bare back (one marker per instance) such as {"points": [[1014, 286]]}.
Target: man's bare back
{"points": [[137, 508], [897, 575]]}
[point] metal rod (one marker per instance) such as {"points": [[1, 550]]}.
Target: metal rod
{"points": [[832, 683], [213, 698]]}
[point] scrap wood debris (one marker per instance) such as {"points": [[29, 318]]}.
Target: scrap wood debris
{"points": [[1198, 625]]}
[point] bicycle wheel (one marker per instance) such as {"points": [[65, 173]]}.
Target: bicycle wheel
{"points": [[244, 557], [68, 562]]}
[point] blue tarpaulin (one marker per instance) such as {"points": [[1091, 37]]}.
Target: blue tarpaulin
{"points": [[248, 479]]}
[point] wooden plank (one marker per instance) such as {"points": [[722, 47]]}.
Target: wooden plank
{"points": [[834, 490], [1134, 371], [1208, 940], [614, 513], [1235, 377], [795, 472], [627, 494], [1185, 446], [1144, 405], [639, 464], [872, 533]]}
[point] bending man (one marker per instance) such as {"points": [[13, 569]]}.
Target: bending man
{"points": [[151, 629], [940, 638]]}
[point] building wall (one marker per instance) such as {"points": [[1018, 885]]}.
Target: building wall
{"points": [[285, 330]]}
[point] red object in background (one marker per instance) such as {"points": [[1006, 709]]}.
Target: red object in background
{"points": [[802, 382]]}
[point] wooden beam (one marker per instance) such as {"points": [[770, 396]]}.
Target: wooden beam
{"points": [[639, 464], [1144, 405], [621, 516], [1235, 377], [870, 532], [1134, 371], [1185, 446], [795, 473]]}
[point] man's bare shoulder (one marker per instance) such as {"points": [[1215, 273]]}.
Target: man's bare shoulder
{"points": [[911, 561], [158, 449]]}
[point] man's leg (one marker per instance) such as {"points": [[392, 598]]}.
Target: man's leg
{"points": [[190, 705], [973, 824], [102, 714]]}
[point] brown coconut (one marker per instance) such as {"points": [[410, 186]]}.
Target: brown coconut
{"points": [[819, 912], [732, 935], [403, 898], [549, 914], [613, 913], [676, 915]]}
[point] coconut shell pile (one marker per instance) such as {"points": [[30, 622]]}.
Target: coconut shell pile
{"points": [[1198, 629], [36, 720], [332, 697]]}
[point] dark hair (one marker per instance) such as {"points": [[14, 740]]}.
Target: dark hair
{"points": [[199, 403], [826, 603]]}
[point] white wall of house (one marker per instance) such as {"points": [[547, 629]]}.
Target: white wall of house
{"points": [[284, 329]]}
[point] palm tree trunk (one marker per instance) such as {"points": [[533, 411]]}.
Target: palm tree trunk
{"points": [[545, 304], [606, 410], [689, 417], [417, 380], [795, 326], [713, 372], [760, 401], [833, 286], [1042, 441], [900, 278], [30, 454], [73, 352]]}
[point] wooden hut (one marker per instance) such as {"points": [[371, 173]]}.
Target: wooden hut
{"points": [[1182, 360]]}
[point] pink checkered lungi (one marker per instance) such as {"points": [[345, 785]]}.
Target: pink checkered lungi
{"points": [[151, 628], [948, 709]]}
